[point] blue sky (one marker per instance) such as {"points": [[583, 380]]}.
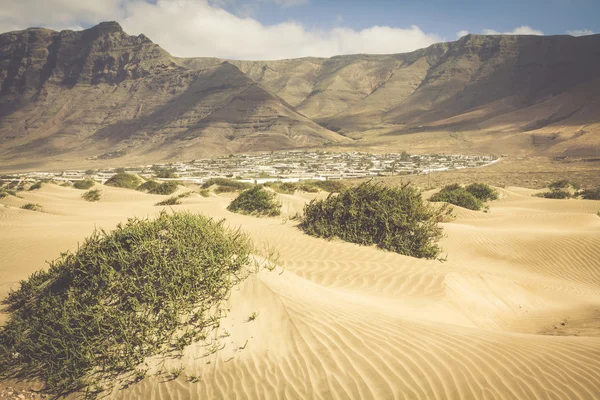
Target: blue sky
{"points": [[274, 29]]}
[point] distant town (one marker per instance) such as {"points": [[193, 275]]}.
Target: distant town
{"points": [[288, 166]]}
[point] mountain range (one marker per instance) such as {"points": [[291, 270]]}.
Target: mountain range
{"points": [[103, 96]]}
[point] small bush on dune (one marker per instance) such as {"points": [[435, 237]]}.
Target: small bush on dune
{"points": [[591, 194], [84, 184], [124, 180], [256, 201], [555, 194], [395, 219], [3, 193], [91, 195], [226, 185], [165, 173], [563, 184], [154, 187], [32, 207], [204, 192], [149, 287], [36, 186], [330, 186], [459, 196], [171, 201], [147, 186], [482, 191]]}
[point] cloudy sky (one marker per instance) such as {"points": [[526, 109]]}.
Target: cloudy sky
{"points": [[275, 29]]}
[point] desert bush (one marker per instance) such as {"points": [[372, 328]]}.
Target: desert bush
{"points": [[3, 193], [165, 173], [482, 191], [256, 201], [154, 187], [226, 185], [204, 192], [37, 185], [91, 195], [32, 207], [149, 287], [591, 194], [329, 186], [84, 184], [555, 194], [457, 195], [563, 184], [186, 194], [147, 186], [124, 180], [393, 218], [171, 201]]}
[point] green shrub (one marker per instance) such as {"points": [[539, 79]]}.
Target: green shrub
{"points": [[171, 201], [3, 193], [256, 201], [91, 195], [35, 186], [204, 192], [457, 195], [84, 184], [555, 194], [147, 186], [154, 187], [482, 191], [563, 184], [591, 194], [330, 186], [32, 207], [226, 185], [149, 287], [186, 194], [165, 173], [395, 219], [124, 180]]}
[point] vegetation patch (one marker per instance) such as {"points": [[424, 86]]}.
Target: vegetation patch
{"points": [[148, 288], [37, 185], [165, 173], [84, 184], [32, 207], [482, 191], [555, 194], [204, 192], [91, 195], [171, 201], [393, 218], [226, 185], [591, 194], [256, 201], [154, 187], [459, 196], [124, 180]]}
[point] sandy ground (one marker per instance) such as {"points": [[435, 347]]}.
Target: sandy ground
{"points": [[513, 313]]}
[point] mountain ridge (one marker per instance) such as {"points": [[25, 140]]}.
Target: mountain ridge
{"points": [[101, 93]]}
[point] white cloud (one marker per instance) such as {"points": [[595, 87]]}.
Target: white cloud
{"points": [[202, 28], [521, 30], [462, 33], [195, 28], [580, 32]]}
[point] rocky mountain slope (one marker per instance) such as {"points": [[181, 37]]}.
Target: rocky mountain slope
{"points": [[100, 93]]}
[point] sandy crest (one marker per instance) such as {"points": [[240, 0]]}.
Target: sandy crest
{"points": [[337, 320]]}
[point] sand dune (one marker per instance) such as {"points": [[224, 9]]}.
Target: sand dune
{"points": [[513, 313]]}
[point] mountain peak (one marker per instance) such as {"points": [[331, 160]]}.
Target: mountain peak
{"points": [[108, 27]]}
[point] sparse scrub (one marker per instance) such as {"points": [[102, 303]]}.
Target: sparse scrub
{"points": [[154, 187], [91, 195], [149, 287], [563, 184], [32, 207], [124, 180], [459, 196], [84, 184], [226, 185], [591, 194], [37, 185], [393, 218], [165, 173], [256, 201], [482, 191], [186, 194], [204, 192], [330, 186], [3, 193], [555, 194], [171, 201]]}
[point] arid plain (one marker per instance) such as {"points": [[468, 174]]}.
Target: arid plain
{"points": [[513, 312]]}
